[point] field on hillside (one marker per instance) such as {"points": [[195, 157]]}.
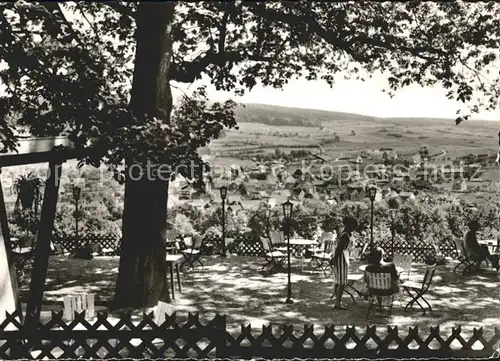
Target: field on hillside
{"points": [[264, 133]]}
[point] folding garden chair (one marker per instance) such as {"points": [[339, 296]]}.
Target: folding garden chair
{"points": [[273, 258], [417, 290], [162, 309], [171, 242], [403, 261], [379, 289], [463, 259], [79, 303], [316, 252], [59, 250], [324, 258], [278, 240], [192, 254], [316, 248]]}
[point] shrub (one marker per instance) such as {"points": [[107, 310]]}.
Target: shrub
{"points": [[183, 226], [260, 224], [24, 221], [213, 232], [305, 222], [331, 221], [412, 222], [236, 224]]}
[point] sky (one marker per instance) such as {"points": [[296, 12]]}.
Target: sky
{"points": [[352, 96]]}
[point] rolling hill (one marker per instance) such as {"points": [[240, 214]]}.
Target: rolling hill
{"points": [[275, 115], [285, 116], [264, 128]]}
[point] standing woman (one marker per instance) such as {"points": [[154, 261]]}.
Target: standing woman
{"points": [[498, 153], [341, 260]]}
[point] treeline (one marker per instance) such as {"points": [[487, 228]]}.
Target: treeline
{"points": [[279, 154], [291, 122], [280, 134]]}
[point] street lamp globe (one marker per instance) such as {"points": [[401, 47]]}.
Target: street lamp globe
{"points": [[372, 193], [76, 192], [223, 192], [287, 210]]}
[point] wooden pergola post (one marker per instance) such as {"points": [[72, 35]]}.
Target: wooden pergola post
{"points": [[9, 299], [42, 246]]}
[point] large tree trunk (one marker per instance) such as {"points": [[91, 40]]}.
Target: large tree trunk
{"points": [[142, 280]]}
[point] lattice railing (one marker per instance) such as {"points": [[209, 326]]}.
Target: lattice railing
{"points": [[101, 244], [420, 252], [105, 337], [246, 248], [356, 342], [110, 245]]}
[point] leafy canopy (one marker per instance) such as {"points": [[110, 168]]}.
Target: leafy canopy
{"points": [[67, 67]]}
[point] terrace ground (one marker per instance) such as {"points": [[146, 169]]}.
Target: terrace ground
{"points": [[234, 286]]}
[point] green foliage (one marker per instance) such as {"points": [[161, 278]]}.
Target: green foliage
{"points": [[305, 221], [235, 224], [331, 221], [260, 222], [412, 222], [23, 222], [68, 73], [94, 218], [182, 226]]}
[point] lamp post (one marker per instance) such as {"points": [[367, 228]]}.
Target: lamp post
{"points": [[287, 216], [223, 195], [372, 192], [393, 231], [268, 221], [270, 206], [76, 196]]}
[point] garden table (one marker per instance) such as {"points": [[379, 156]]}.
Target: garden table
{"points": [[299, 246], [492, 244], [173, 260]]}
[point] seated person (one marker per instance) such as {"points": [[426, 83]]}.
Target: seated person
{"points": [[376, 265], [475, 251]]}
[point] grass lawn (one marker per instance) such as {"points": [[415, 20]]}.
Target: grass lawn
{"points": [[234, 286]]}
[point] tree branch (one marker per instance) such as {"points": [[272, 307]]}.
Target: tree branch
{"points": [[191, 71], [481, 82], [82, 11], [56, 10], [332, 37], [222, 31], [119, 7], [188, 72]]}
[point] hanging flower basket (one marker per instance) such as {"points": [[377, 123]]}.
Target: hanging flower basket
{"points": [[27, 195], [27, 188]]}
